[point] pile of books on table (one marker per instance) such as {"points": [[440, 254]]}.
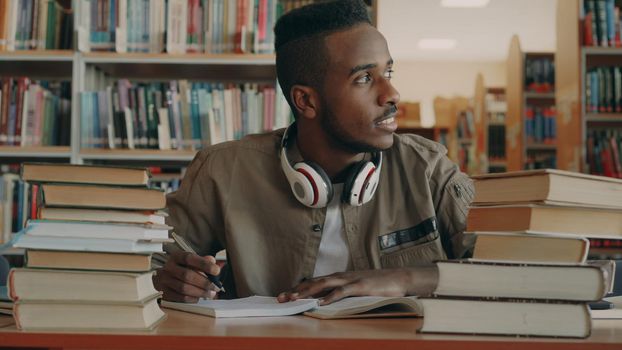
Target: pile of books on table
{"points": [[529, 274], [89, 241]]}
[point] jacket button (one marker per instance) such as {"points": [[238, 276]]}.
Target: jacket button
{"points": [[316, 228], [458, 191]]}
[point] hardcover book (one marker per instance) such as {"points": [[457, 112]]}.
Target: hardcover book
{"points": [[547, 186], [512, 317], [546, 218], [91, 174], [500, 279]]}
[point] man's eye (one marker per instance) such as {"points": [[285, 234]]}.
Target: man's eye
{"points": [[389, 74], [364, 79]]}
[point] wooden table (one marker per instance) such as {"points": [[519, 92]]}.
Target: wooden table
{"points": [[188, 331]]}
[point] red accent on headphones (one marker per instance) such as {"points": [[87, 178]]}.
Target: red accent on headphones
{"points": [[313, 184], [365, 184]]}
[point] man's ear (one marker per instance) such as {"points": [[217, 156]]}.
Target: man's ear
{"points": [[306, 101]]}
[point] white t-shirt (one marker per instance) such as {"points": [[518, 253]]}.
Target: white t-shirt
{"points": [[334, 253]]}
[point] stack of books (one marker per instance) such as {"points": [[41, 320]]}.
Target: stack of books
{"points": [[543, 215], [529, 262], [89, 240]]}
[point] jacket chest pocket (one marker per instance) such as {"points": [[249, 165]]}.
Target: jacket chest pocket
{"points": [[417, 245]]}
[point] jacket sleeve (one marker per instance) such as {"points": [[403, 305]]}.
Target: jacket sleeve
{"points": [[194, 209], [453, 193]]}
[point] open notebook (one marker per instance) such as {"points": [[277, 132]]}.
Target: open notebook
{"points": [[268, 306]]}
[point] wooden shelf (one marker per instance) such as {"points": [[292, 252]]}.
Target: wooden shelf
{"points": [[35, 151], [221, 67], [190, 58], [591, 50], [604, 117], [540, 147], [540, 95], [38, 64], [137, 154], [37, 55]]}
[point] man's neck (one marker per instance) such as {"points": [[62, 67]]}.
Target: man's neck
{"points": [[333, 160]]}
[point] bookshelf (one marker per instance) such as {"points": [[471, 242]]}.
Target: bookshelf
{"points": [[590, 122], [447, 112], [438, 134], [531, 113], [481, 128], [496, 108], [97, 70], [91, 70]]}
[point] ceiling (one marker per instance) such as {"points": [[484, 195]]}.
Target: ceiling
{"points": [[482, 34]]}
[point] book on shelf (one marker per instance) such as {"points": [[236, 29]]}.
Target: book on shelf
{"points": [[505, 279], [512, 317], [547, 186], [102, 197], [94, 229], [540, 73], [587, 221], [353, 307], [102, 215], [75, 314], [178, 114], [193, 26], [77, 260], [90, 244], [29, 284], [603, 152], [85, 174], [530, 246], [35, 25], [369, 307], [34, 113], [601, 23], [602, 89]]}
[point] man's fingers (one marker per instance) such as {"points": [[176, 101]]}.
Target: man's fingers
{"points": [[187, 289], [287, 296], [316, 287], [187, 275], [338, 294], [172, 295], [206, 264]]}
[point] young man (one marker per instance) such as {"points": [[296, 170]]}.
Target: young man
{"points": [[338, 204]]}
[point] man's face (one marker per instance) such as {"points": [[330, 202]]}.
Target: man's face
{"points": [[358, 99]]}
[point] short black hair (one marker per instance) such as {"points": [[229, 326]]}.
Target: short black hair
{"points": [[301, 56]]}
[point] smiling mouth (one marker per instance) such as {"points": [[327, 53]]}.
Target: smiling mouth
{"points": [[386, 121]]}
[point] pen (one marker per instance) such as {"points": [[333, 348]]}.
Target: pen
{"points": [[181, 242]]}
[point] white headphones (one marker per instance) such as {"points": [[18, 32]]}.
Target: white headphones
{"points": [[313, 188]]}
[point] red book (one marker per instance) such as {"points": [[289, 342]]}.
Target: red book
{"points": [[607, 160], [587, 30], [615, 153]]}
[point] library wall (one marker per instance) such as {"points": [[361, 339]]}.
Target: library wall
{"points": [[423, 81]]}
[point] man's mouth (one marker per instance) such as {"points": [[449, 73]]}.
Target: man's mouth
{"points": [[388, 118], [386, 122]]}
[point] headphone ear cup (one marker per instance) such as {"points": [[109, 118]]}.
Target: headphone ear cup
{"points": [[319, 181], [355, 169], [361, 183]]}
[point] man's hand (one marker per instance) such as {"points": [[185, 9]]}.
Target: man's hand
{"points": [[390, 283], [183, 277]]}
